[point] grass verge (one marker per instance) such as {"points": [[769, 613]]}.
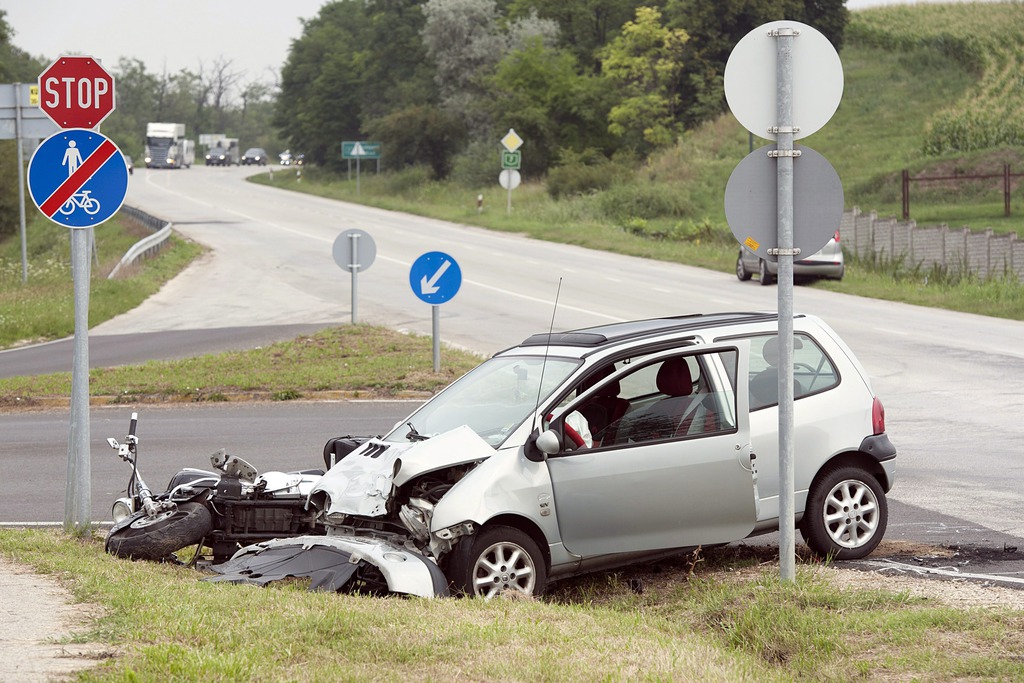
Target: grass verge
{"points": [[360, 360], [42, 307], [716, 616]]}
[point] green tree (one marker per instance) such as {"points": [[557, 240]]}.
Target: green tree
{"points": [[645, 62], [585, 26], [355, 62], [16, 66], [716, 27], [539, 91]]}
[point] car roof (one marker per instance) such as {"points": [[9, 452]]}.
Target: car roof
{"points": [[612, 333]]}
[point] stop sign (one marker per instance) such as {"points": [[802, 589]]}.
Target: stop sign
{"points": [[76, 92]]}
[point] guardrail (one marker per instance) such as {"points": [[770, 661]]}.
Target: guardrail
{"points": [[147, 246]]}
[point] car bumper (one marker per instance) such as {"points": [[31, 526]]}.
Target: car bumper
{"points": [[331, 562]]}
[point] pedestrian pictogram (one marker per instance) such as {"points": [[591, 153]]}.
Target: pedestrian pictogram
{"points": [[78, 178]]}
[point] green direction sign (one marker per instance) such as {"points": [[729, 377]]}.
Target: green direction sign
{"points": [[511, 160], [360, 150]]}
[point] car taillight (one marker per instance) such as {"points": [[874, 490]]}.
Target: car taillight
{"points": [[877, 416], [836, 236]]}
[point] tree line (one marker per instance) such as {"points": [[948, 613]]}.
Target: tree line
{"points": [[438, 82]]}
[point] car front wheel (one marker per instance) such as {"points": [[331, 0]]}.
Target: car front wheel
{"points": [[763, 272], [496, 560], [846, 514]]}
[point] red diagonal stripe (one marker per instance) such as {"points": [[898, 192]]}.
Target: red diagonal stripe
{"points": [[74, 183]]}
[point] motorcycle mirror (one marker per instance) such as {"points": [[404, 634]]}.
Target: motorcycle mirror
{"points": [[112, 442]]}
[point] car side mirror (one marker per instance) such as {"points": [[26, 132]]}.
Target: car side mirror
{"points": [[541, 444]]}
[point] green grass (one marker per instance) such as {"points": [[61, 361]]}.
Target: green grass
{"points": [[360, 360], [43, 307], [712, 617]]}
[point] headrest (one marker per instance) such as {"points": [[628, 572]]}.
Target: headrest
{"points": [[674, 378], [611, 389]]}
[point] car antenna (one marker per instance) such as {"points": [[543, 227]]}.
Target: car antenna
{"points": [[544, 363]]}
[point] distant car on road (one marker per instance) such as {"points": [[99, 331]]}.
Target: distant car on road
{"points": [[218, 156], [826, 263], [255, 156]]}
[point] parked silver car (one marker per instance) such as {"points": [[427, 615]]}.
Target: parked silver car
{"points": [[826, 263], [590, 449]]}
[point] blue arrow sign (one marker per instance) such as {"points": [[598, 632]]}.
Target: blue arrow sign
{"points": [[78, 178], [435, 277]]}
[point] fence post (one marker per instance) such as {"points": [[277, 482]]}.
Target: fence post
{"points": [[1006, 189], [906, 194]]}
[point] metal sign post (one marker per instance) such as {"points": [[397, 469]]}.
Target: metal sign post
{"points": [[79, 179], [354, 250], [435, 278], [760, 78]]}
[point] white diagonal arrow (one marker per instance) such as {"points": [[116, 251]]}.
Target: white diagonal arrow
{"points": [[430, 286]]}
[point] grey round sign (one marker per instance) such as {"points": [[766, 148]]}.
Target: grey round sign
{"points": [[751, 202], [354, 250], [751, 83], [509, 179]]}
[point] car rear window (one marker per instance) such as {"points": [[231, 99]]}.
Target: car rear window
{"points": [[813, 370]]}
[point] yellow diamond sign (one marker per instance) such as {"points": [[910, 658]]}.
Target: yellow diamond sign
{"points": [[512, 141]]}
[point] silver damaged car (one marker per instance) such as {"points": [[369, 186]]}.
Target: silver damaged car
{"points": [[595, 448]]}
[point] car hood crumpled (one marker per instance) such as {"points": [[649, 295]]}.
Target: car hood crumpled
{"points": [[361, 482]]}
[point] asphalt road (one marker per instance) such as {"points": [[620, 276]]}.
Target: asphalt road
{"points": [[950, 381]]}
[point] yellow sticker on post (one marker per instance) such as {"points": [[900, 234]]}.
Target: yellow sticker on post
{"points": [[751, 244]]}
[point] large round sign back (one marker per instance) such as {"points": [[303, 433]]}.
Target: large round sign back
{"points": [[751, 82], [752, 200]]}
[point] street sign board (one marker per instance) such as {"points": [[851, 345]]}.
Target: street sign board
{"points": [[78, 178], [354, 250], [509, 179], [435, 277], [751, 202], [511, 141], [511, 160], [76, 92], [21, 101], [360, 150], [751, 86]]}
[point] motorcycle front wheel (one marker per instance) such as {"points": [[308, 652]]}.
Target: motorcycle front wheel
{"points": [[154, 538]]}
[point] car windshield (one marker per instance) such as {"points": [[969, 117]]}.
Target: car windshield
{"points": [[492, 399]]}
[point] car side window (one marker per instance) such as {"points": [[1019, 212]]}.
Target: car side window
{"points": [[675, 398], [813, 370]]}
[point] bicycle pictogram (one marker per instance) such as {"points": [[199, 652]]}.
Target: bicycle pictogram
{"points": [[82, 200]]}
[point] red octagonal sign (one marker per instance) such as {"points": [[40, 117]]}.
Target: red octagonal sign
{"points": [[76, 92]]}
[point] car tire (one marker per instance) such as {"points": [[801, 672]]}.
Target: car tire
{"points": [[764, 274], [496, 560], [742, 274], [846, 513]]}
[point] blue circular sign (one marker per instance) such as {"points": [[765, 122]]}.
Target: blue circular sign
{"points": [[78, 178], [435, 277]]}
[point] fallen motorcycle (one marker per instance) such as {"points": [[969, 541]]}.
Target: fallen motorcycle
{"points": [[223, 511]]}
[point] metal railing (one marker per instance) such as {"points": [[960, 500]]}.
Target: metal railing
{"points": [[147, 246]]}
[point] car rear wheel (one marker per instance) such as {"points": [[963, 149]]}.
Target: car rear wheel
{"points": [[766, 276], [846, 514], [496, 560], [741, 270]]}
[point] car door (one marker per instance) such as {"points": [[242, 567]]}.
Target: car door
{"points": [[695, 486]]}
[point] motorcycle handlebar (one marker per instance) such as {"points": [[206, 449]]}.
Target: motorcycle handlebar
{"points": [[132, 424]]}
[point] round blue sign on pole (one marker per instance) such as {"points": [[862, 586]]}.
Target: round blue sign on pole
{"points": [[435, 277], [78, 178]]}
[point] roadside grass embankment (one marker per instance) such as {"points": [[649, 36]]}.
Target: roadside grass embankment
{"points": [[717, 615]]}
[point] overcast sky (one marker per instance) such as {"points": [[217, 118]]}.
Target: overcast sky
{"points": [[177, 34], [165, 34]]}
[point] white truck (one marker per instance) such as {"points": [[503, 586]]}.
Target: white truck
{"points": [[167, 146]]}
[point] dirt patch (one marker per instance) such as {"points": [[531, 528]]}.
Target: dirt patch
{"points": [[38, 619]]}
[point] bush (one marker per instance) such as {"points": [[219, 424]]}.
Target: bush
{"points": [[646, 200], [408, 179], [478, 166]]}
